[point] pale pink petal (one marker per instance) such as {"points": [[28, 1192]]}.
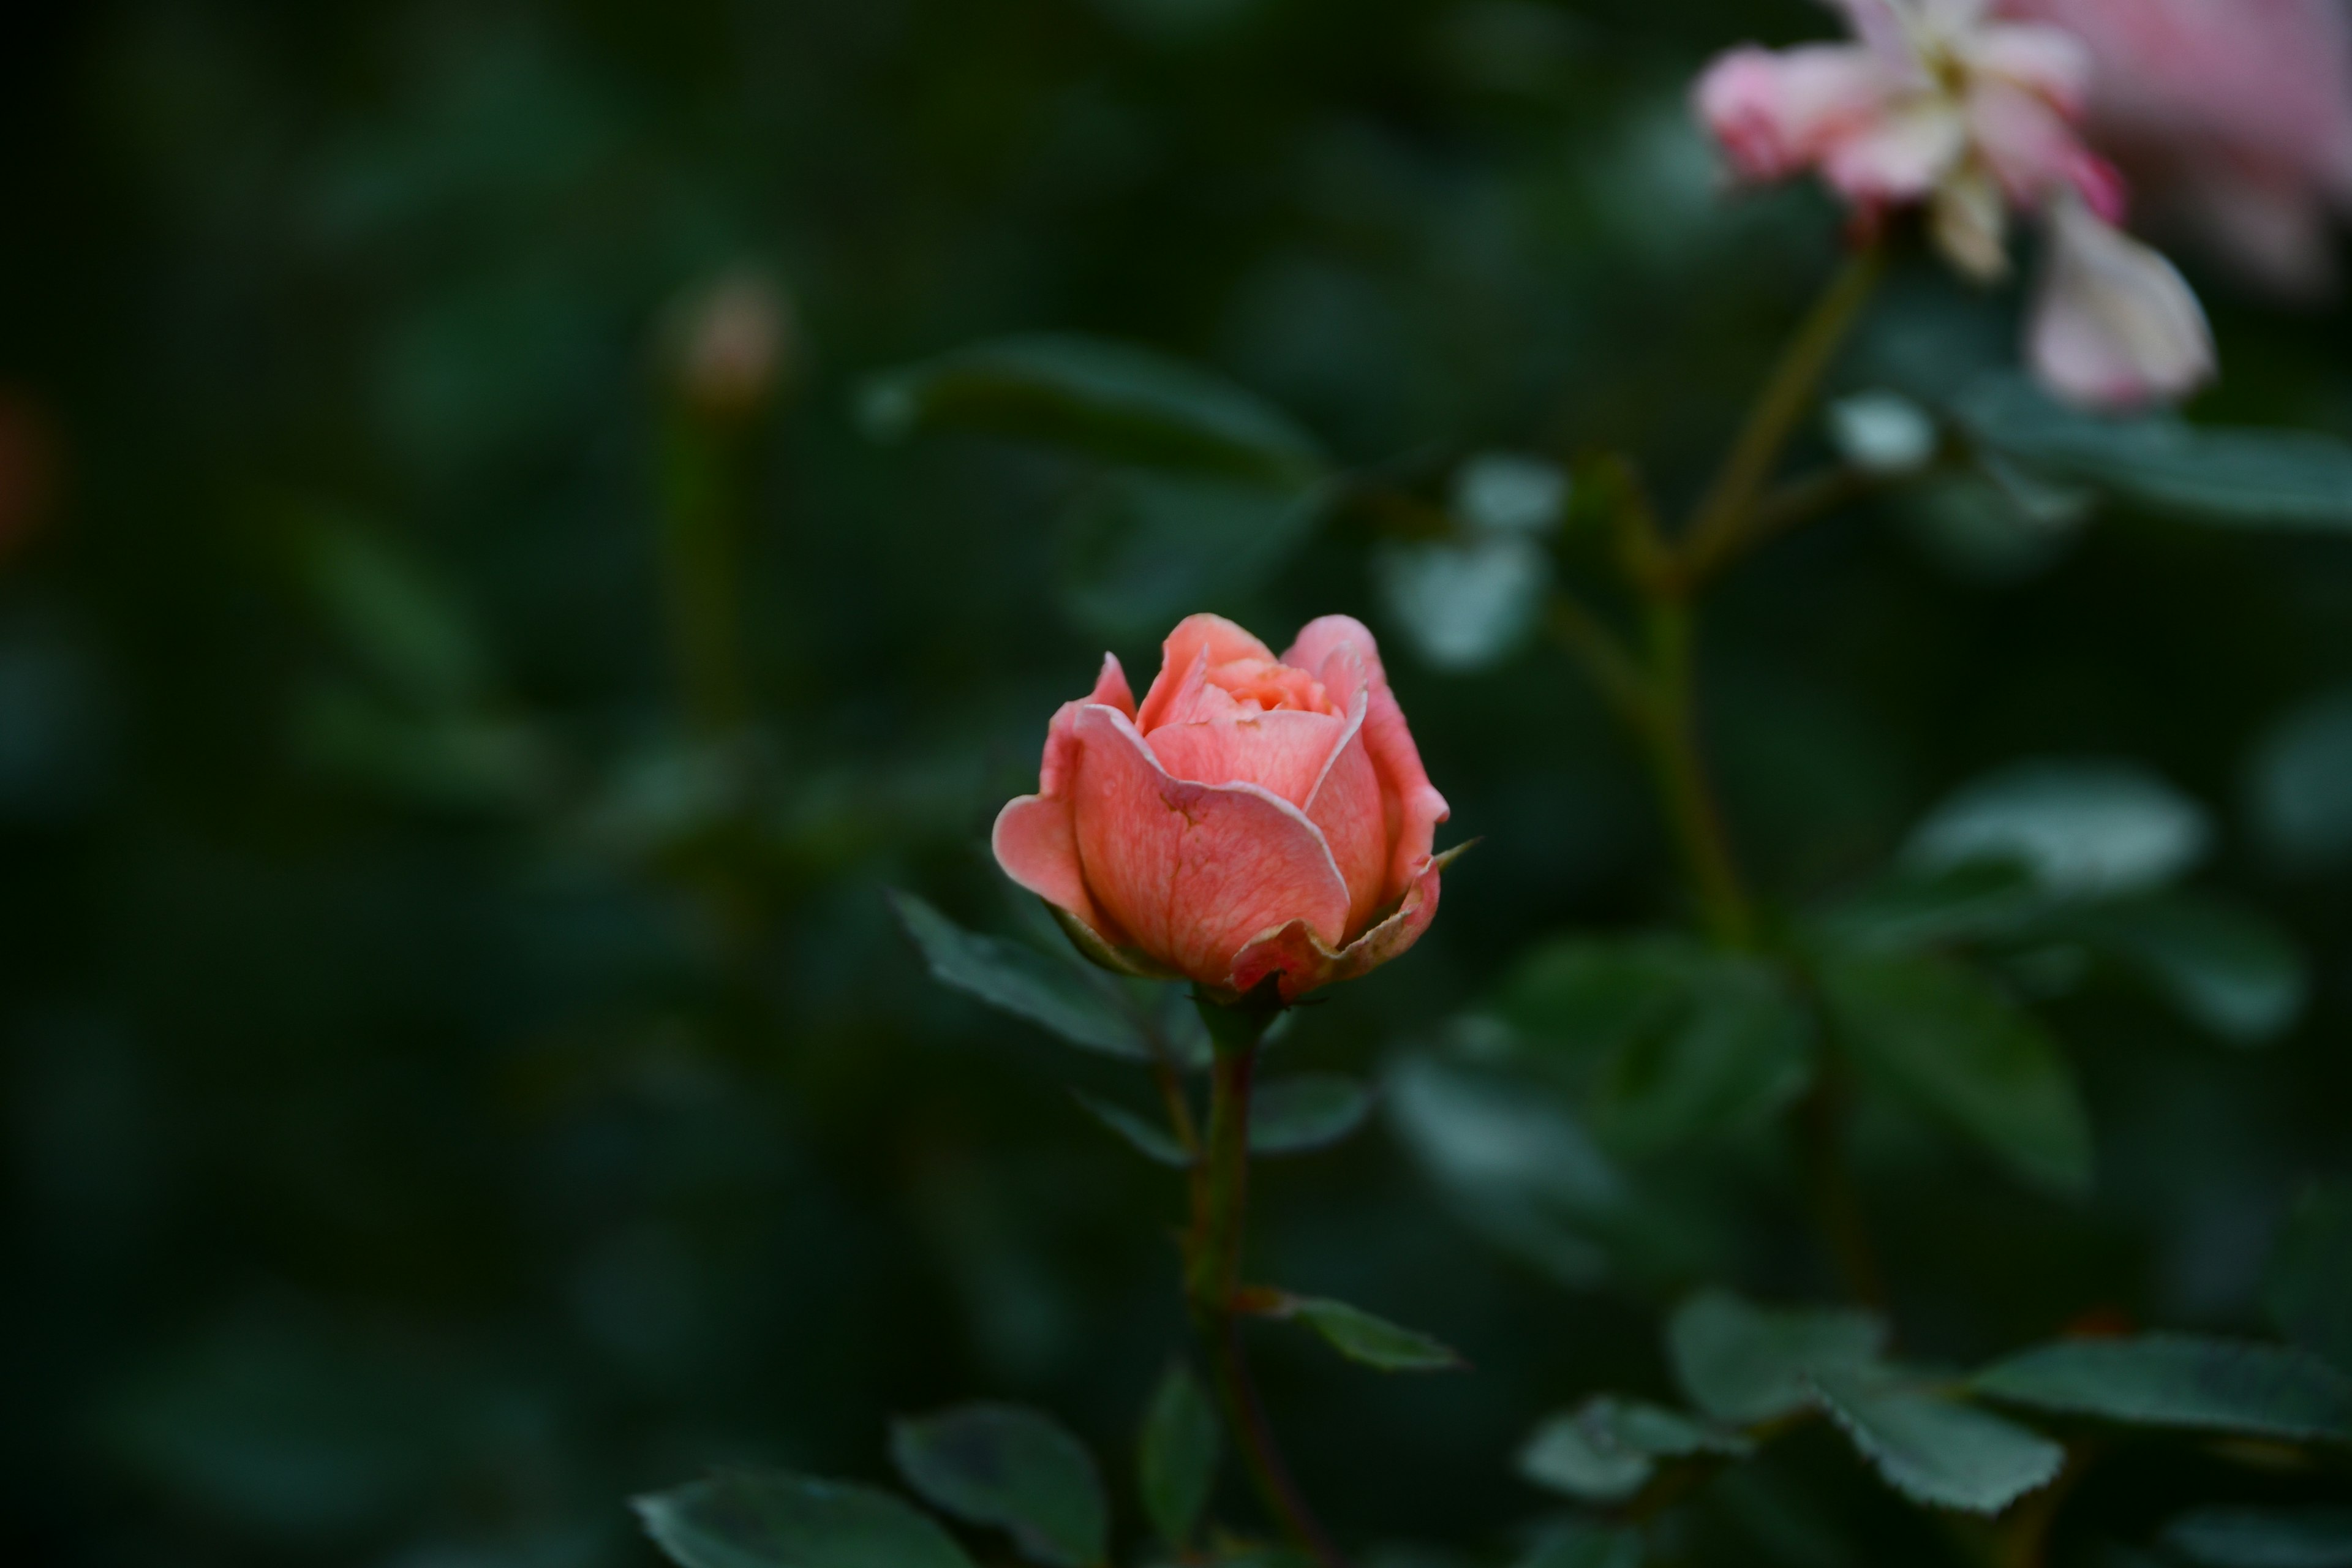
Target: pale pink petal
{"points": [[1776, 112], [1191, 871], [1901, 156], [2049, 62], [2034, 150], [1880, 26], [1285, 751], [1197, 643], [1305, 961], [2115, 325], [2195, 96], [1411, 807]]}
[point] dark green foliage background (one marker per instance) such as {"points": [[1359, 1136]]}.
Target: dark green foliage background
{"points": [[408, 1184]]}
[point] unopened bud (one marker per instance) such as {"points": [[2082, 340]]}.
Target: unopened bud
{"points": [[734, 344]]}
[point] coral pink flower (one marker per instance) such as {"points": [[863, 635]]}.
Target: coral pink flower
{"points": [[1938, 102], [2234, 116], [1254, 816]]}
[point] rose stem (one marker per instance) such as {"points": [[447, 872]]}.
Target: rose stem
{"points": [[1724, 515], [1212, 1253], [1657, 695]]}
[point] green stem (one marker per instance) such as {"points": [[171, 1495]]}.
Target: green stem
{"points": [[1837, 1207], [1213, 1269], [1723, 516], [701, 545], [1684, 791]]}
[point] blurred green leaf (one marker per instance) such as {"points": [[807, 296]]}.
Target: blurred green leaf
{"points": [[1176, 1457], [1672, 1040], [394, 616], [1026, 983], [1519, 1171], [1306, 1111], [2084, 827], [2308, 1293], [1743, 1364], [1146, 1136], [2274, 478], [2317, 1536], [2299, 785], [284, 1427], [1913, 907], [1584, 1546], [1360, 1336], [772, 1519], [451, 760], [1016, 1468], [1934, 1450], [1140, 549], [1944, 1035], [2225, 967], [1607, 1448], [2181, 1380], [1107, 400]]}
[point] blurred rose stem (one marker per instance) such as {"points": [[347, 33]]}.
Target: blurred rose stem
{"points": [[1212, 1258], [1652, 687], [702, 485]]}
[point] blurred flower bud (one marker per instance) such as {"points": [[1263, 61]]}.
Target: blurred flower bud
{"points": [[733, 344], [2114, 326], [27, 471]]}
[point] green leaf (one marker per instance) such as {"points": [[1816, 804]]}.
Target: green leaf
{"points": [[1670, 1040], [1022, 982], [1743, 1364], [2179, 1380], [1580, 1544], [1306, 1111], [2308, 1293], [772, 1519], [396, 615], [2299, 791], [1937, 1451], [2225, 967], [1607, 1448], [1176, 1459], [1012, 1468], [2311, 1537], [1146, 1136], [1913, 907], [1139, 548], [1942, 1035], [1587, 997], [2084, 827], [1107, 400], [1360, 1336], [2273, 478]]}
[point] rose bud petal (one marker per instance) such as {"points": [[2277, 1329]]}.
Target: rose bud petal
{"points": [[1252, 816]]}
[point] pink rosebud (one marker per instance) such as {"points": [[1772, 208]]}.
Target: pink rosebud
{"points": [[2114, 325], [1254, 816], [2235, 115]]}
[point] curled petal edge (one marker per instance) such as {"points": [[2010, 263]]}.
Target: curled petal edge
{"points": [[1305, 962]]}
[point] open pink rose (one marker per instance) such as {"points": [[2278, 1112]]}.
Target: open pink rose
{"points": [[1254, 816]]}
